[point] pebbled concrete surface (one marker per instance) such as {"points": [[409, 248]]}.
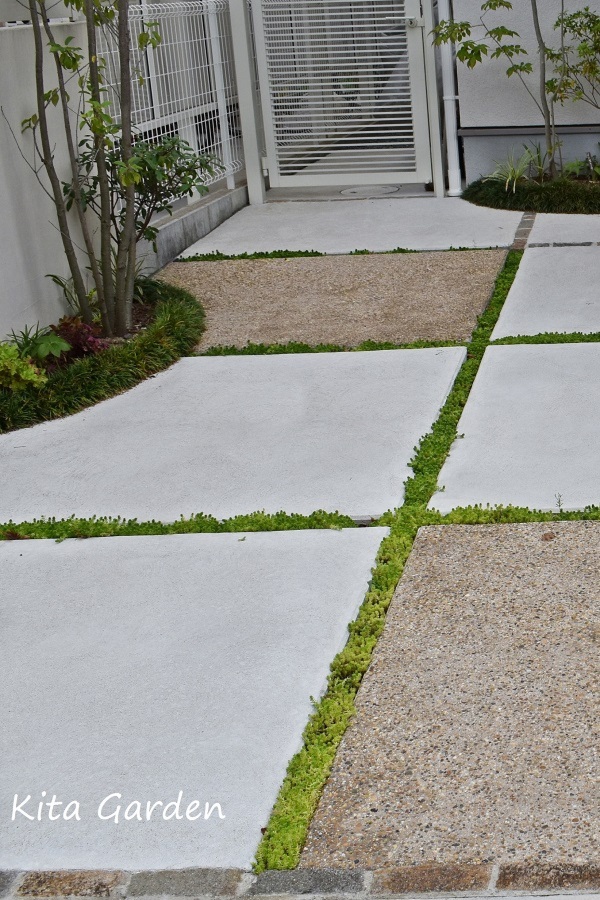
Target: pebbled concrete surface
{"points": [[377, 225], [531, 430], [476, 736], [150, 666], [231, 435], [551, 228], [344, 300], [555, 289]]}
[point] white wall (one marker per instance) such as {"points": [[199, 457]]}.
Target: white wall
{"points": [[487, 96], [30, 245], [489, 99]]}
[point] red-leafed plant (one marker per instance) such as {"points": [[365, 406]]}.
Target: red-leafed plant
{"points": [[84, 339]]}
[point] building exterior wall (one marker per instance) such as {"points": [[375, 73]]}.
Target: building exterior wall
{"points": [[30, 245], [490, 100]]}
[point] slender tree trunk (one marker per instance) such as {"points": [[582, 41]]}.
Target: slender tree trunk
{"points": [[48, 159], [83, 224], [126, 247], [548, 129], [103, 179]]}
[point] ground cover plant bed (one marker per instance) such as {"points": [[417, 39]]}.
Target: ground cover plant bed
{"points": [[550, 337], [298, 347], [564, 195], [176, 328]]}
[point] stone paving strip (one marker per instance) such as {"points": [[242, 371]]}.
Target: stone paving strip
{"points": [[233, 435], [475, 743], [504, 881], [551, 228], [529, 433], [377, 225], [145, 679], [555, 290], [344, 300]]}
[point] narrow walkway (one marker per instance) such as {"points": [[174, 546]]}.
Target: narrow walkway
{"points": [[376, 225], [146, 667], [530, 432]]}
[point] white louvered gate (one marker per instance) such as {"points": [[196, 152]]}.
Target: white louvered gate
{"points": [[343, 91]]}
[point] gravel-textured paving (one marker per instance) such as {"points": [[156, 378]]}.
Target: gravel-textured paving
{"points": [[341, 299], [477, 732], [554, 290], [341, 227], [170, 672]]}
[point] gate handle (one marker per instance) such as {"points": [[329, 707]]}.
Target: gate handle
{"points": [[411, 21]]}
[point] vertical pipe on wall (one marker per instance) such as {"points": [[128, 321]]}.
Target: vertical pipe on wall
{"points": [[450, 112], [244, 71]]}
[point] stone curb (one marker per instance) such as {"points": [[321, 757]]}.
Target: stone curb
{"points": [[461, 880]]}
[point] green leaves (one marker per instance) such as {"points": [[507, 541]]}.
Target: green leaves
{"points": [[577, 64], [495, 41], [70, 58], [16, 373]]}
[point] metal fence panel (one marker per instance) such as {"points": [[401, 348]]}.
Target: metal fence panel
{"points": [[186, 85]]}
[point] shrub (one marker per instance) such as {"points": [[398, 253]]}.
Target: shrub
{"points": [[39, 344], [175, 331], [81, 339], [564, 195], [17, 373]]}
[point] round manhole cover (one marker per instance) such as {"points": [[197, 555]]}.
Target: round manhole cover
{"points": [[370, 190]]}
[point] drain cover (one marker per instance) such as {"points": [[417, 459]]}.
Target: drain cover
{"points": [[370, 190]]}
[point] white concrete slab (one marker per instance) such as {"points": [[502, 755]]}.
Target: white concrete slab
{"points": [[377, 225], [555, 289], [229, 435], [150, 666], [550, 228], [531, 431]]}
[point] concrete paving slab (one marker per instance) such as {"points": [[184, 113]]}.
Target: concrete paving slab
{"points": [[230, 435], [475, 741], [555, 290], [158, 668], [377, 225], [531, 431], [551, 228]]}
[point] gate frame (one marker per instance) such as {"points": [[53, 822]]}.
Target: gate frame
{"points": [[250, 108]]}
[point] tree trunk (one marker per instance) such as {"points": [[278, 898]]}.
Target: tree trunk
{"points": [[68, 126], [548, 127], [108, 288], [126, 247], [48, 159]]}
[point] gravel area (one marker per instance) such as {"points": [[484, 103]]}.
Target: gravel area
{"points": [[341, 299], [477, 729]]}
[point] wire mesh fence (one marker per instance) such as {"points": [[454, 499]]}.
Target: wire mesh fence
{"points": [[186, 85]]}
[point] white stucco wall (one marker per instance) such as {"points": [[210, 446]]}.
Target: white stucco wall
{"points": [[30, 245], [488, 98]]}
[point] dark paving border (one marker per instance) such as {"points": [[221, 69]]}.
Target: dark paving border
{"points": [[523, 232], [470, 880]]}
